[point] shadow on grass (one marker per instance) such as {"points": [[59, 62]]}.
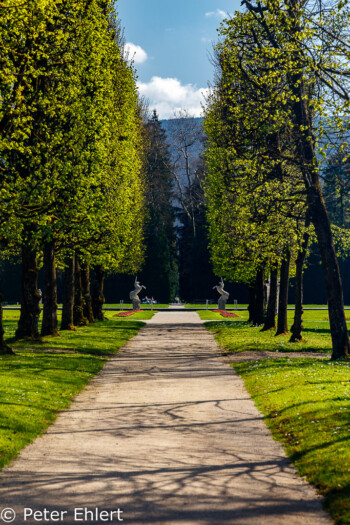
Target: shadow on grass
{"points": [[100, 339], [241, 336], [335, 503], [317, 331]]}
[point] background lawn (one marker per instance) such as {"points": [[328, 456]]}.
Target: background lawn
{"points": [[208, 315], [129, 305], [143, 315]]}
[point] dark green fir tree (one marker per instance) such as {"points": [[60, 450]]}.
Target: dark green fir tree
{"points": [[160, 272]]}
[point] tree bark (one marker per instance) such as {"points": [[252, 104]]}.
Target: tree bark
{"points": [[282, 322], [251, 306], [67, 322], [319, 218], [270, 317], [30, 307], [97, 293], [4, 348], [260, 298], [78, 309], [257, 300], [87, 301], [49, 324], [297, 325], [305, 153]]}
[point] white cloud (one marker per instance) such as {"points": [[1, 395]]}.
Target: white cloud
{"points": [[167, 95], [135, 53], [218, 13]]}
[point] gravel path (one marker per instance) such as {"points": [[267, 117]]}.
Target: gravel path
{"points": [[167, 434]]}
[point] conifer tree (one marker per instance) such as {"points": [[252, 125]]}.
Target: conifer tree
{"points": [[160, 268]]}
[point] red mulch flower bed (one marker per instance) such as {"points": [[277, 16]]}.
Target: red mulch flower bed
{"points": [[126, 314], [224, 313]]}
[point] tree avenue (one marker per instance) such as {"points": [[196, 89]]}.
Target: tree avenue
{"points": [[71, 151], [283, 74]]}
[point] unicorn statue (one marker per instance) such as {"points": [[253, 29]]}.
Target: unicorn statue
{"points": [[134, 295], [223, 294]]}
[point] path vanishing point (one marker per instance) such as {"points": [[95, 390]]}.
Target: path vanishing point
{"points": [[167, 434]]}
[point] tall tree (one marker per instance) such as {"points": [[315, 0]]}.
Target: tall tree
{"points": [[268, 60], [160, 268]]}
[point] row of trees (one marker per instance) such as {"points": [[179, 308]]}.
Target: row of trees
{"points": [[71, 155], [281, 91]]}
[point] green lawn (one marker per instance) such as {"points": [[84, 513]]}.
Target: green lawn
{"points": [[307, 406], [129, 305], [208, 315], [214, 306], [42, 379], [306, 401], [143, 315], [239, 336]]}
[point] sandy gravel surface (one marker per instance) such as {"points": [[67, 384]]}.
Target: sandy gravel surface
{"points": [[167, 434]]}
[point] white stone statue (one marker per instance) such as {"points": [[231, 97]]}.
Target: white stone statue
{"points": [[223, 294], [134, 295]]}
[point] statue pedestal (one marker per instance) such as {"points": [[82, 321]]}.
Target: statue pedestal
{"points": [[222, 303], [136, 303]]}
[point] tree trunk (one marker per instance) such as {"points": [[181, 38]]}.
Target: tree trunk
{"points": [[251, 306], [270, 317], [97, 293], [297, 325], [282, 322], [87, 302], [260, 298], [78, 313], [319, 218], [49, 324], [30, 307], [339, 332], [67, 322], [4, 348], [257, 300]]}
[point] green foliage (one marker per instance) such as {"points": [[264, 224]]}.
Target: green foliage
{"points": [[256, 201], [256, 171], [71, 144], [160, 268]]}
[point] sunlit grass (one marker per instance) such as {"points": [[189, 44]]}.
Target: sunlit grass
{"points": [[208, 315], [42, 378], [143, 315], [239, 336], [307, 406]]}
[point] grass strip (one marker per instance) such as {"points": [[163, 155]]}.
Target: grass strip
{"points": [[306, 403], [141, 315], [43, 378], [239, 336]]}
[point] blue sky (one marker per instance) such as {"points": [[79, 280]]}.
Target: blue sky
{"points": [[170, 41]]}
